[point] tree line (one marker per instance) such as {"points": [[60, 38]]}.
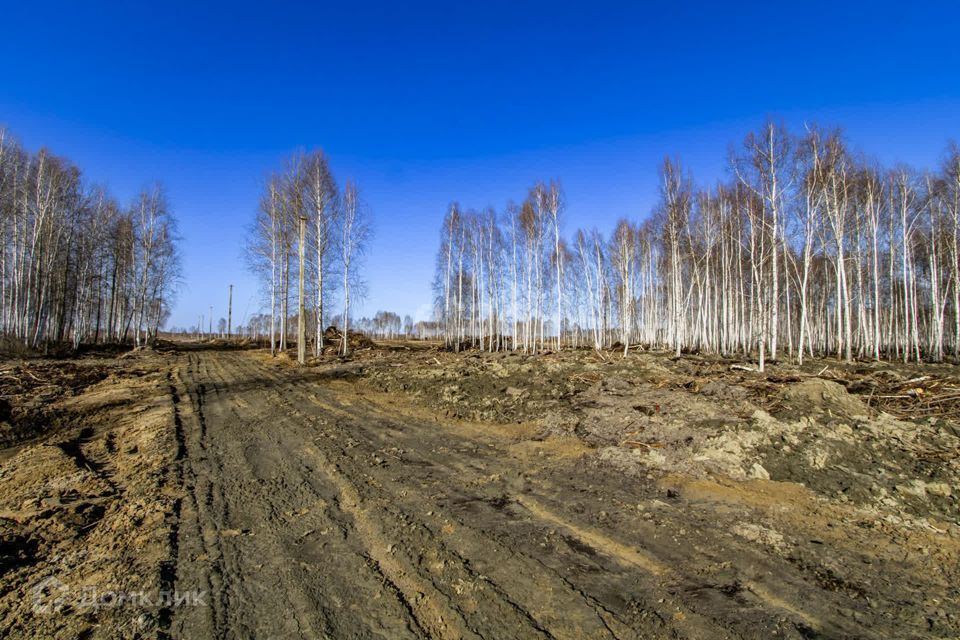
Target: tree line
{"points": [[330, 251], [388, 325], [806, 249], [75, 265], [384, 325]]}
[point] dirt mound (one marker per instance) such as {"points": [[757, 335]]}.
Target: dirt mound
{"points": [[136, 352], [819, 396]]}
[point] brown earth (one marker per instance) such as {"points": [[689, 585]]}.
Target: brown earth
{"points": [[408, 492], [87, 495]]}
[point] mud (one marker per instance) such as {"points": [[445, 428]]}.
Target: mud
{"points": [[408, 492]]}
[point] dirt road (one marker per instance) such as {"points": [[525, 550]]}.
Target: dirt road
{"points": [[315, 509]]}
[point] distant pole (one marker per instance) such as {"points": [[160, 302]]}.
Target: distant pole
{"points": [[301, 311], [211, 321], [230, 314]]}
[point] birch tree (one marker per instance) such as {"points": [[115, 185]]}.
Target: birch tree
{"points": [[807, 251], [76, 267], [323, 199], [354, 232]]}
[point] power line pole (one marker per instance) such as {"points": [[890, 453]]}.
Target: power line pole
{"points": [[230, 314], [301, 312], [211, 321]]}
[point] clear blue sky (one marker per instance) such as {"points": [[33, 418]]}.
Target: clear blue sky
{"points": [[427, 103]]}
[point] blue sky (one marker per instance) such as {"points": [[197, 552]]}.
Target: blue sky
{"points": [[431, 102]]}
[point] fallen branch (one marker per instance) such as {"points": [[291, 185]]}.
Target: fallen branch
{"points": [[633, 444]]}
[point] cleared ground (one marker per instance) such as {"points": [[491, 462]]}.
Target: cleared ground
{"points": [[413, 493]]}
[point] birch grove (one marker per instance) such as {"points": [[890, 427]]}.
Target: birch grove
{"points": [[75, 266], [806, 250], [337, 231]]}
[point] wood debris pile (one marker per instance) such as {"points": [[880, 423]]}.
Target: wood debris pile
{"points": [[927, 396]]}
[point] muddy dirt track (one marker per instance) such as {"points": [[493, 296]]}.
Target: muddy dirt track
{"points": [[208, 491], [313, 508]]}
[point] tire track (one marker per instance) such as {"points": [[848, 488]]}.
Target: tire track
{"points": [[565, 625], [168, 567], [270, 579]]}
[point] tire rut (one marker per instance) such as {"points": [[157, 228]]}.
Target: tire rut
{"points": [[168, 567]]}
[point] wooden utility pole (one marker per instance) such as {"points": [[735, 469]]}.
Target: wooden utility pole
{"points": [[301, 312], [230, 314], [211, 320]]}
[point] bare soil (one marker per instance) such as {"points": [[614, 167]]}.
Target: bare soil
{"points": [[409, 492], [87, 495]]}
